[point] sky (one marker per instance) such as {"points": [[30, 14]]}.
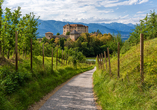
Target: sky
{"points": [[86, 11]]}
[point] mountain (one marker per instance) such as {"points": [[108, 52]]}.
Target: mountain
{"points": [[57, 26], [119, 26]]}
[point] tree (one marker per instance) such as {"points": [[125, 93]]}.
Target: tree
{"points": [[57, 40], [68, 33], [45, 40], [1, 12], [61, 43], [52, 40], [58, 33], [98, 32]]}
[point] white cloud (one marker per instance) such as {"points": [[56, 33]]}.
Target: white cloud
{"points": [[140, 11], [74, 10], [113, 3], [143, 1]]}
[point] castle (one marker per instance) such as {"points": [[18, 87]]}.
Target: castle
{"points": [[77, 27], [74, 29]]}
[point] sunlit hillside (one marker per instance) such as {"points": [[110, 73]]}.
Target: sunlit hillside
{"points": [[127, 93]]}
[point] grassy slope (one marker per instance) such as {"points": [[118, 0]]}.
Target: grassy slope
{"points": [[128, 94], [37, 84]]}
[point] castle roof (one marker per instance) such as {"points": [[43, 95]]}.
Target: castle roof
{"points": [[75, 25]]}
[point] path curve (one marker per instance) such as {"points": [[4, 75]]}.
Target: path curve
{"points": [[76, 94]]}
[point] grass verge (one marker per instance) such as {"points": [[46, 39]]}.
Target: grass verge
{"points": [[21, 89], [127, 93]]}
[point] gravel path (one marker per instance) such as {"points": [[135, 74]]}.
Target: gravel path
{"points": [[77, 94]]}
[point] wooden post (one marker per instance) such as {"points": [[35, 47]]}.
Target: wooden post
{"points": [[105, 60], [102, 61], [62, 57], [31, 54], [8, 53], [0, 34], [109, 62], [52, 58], [16, 42], [43, 55], [97, 61], [66, 59], [141, 58], [23, 50], [56, 58], [118, 59]]}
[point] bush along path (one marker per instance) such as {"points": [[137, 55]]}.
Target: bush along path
{"points": [[76, 94], [19, 90]]}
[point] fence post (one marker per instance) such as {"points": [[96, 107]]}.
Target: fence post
{"points": [[97, 61], [102, 62], [62, 58], [16, 58], [118, 59], [23, 50], [43, 55], [56, 58], [31, 54], [109, 62], [66, 58], [105, 60], [52, 58], [141, 58]]}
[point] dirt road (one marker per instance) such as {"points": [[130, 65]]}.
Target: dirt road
{"points": [[75, 95]]}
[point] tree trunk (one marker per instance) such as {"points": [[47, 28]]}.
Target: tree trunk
{"points": [[8, 53]]}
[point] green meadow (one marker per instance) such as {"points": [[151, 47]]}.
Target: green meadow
{"points": [[126, 92], [19, 90]]}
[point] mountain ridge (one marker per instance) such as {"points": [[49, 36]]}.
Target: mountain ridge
{"points": [[57, 26]]}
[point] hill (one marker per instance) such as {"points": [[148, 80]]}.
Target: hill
{"points": [[57, 26], [120, 26], [127, 93]]}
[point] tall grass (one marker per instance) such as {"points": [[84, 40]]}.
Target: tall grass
{"points": [[127, 93], [20, 89]]}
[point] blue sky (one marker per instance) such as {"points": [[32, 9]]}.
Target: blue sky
{"points": [[87, 11]]}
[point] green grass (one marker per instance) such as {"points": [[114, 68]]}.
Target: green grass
{"points": [[16, 95], [127, 93]]}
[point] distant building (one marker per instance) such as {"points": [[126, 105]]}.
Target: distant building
{"points": [[74, 35], [79, 28], [74, 29], [48, 35]]}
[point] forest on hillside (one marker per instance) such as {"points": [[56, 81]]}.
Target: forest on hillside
{"points": [[89, 44]]}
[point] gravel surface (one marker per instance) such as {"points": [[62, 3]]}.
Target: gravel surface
{"points": [[77, 94]]}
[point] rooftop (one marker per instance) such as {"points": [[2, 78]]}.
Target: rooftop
{"points": [[75, 25]]}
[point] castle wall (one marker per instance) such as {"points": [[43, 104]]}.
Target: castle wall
{"points": [[79, 29]]}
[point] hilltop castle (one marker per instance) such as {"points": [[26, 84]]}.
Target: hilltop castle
{"points": [[79, 28], [74, 29]]}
